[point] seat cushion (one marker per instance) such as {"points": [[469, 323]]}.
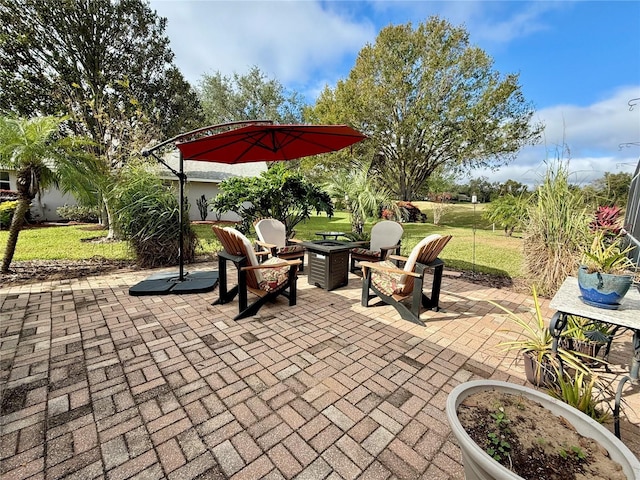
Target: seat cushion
{"points": [[363, 252], [413, 256], [274, 278], [385, 234], [387, 282], [252, 260], [291, 249]]}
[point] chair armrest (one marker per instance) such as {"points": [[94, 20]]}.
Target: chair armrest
{"points": [[268, 246], [361, 243], [384, 268], [270, 249], [284, 263], [237, 259], [295, 241]]}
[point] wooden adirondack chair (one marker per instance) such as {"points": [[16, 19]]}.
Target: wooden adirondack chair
{"points": [[395, 285], [272, 235], [385, 238], [266, 280]]}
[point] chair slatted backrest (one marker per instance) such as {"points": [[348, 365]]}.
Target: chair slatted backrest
{"points": [[235, 243], [425, 252]]}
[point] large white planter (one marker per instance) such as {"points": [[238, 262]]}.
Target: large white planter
{"points": [[478, 465]]}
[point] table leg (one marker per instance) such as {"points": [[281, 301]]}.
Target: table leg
{"points": [[556, 325], [632, 377], [635, 362]]}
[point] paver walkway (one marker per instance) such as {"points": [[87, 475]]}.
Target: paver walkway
{"points": [[99, 384]]}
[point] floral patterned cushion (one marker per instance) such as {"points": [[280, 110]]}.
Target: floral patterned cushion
{"points": [[273, 278], [387, 282], [365, 252], [291, 249]]}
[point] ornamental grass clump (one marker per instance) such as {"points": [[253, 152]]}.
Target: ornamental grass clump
{"points": [[148, 217], [556, 232]]}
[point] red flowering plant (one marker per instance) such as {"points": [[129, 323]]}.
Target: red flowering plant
{"points": [[606, 218], [387, 214]]}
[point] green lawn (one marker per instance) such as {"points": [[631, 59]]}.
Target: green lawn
{"points": [[494, 253]]}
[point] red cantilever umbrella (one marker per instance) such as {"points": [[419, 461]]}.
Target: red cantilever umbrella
{"points": [[253, 141], [256, 143]]}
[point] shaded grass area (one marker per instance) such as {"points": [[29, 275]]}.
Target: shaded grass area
{"points": [[481, 249]]}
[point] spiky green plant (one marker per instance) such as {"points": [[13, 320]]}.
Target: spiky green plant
{"points": [[606, 255], [148, 217], [582, 391], [536, 340]]}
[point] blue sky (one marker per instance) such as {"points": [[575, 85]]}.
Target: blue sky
{"points": [[579, 62]]}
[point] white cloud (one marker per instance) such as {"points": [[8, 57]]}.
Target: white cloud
{"points": [[592, 135], [290, 41]]}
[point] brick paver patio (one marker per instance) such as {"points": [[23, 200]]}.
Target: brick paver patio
{"points": [[99, 384]]}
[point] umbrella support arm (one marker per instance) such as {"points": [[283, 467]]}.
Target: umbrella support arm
{"points": [[146, 153], [178, 174]]}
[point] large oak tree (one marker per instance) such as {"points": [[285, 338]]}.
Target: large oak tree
{"points": [[250, 96], [104, 63], [429, 99]]}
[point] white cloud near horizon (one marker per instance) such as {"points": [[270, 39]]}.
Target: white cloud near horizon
{"points": [[589, 137]]}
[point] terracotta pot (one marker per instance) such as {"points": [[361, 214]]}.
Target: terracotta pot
{"points": [[478, 465]]}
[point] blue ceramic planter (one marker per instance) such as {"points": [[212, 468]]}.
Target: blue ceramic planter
{"points": [[603, 290]]}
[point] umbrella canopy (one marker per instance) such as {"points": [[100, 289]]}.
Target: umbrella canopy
{"points": [[257, 143]]}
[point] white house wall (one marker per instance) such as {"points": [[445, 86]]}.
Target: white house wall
{"points": [[43, 209], [202, 179], [194, 190]]}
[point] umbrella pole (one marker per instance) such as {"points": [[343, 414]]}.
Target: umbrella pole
{"points": [[180, 213]]}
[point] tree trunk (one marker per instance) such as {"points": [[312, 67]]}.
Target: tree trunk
{"points": [[112, 234], [14, 230]]}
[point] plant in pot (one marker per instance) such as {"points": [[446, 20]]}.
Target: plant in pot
{"points": [[584, 392], [587, 337], [535, 342], [508, 431], [606, 271]]}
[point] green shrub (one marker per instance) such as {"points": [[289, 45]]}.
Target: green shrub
{"points": [[147, 215], [78, 213], [6, 213]]}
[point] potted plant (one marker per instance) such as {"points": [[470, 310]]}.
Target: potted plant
{"points": [[586, 393], [508, 431], [587, 337], [535, 342], [605, 275]]}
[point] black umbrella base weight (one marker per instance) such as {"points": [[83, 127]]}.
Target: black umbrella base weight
{"points": [[166, 283]]}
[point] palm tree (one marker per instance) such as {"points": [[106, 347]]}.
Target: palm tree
{"points": [[363, 198], [41, 157]]}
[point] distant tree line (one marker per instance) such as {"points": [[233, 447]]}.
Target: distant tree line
{"points": [[610, 189]]}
